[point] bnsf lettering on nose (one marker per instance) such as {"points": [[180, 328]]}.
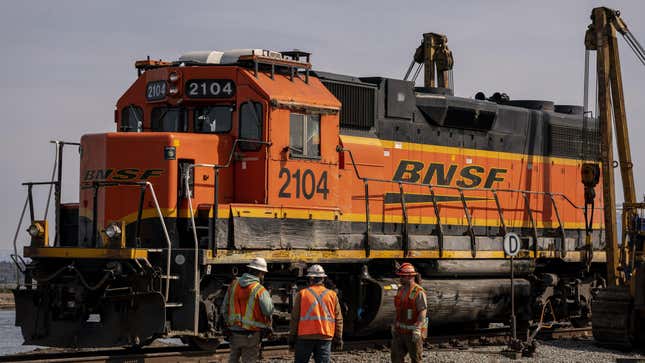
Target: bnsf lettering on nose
{"points": [[440, 174], [121, 174]]}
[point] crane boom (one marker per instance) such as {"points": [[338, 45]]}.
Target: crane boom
{"points": [[616, 310], [601, 37]]}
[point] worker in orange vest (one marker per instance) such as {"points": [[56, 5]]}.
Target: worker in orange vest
{"points": [[247, 308], [316, 320], [411, 325]]}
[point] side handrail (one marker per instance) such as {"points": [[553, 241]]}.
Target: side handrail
{"points": [[212, 222], [58, 166], [435, 206], [563, 246], [404, 231], [196, 253], [471, 231], [557, 194], [503, 228], [529, 211], [15, 255]]}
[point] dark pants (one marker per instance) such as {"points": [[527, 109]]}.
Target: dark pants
{"points": [[403, 344], [320, 348]]}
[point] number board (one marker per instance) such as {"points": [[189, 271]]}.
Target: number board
{"points": [[210, 88], [156, 90], [512, 244]]}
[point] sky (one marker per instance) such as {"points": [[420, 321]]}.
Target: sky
{"points": [[63, 64]]}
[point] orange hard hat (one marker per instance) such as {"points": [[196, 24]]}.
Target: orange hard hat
{"points": [[406, 269]]}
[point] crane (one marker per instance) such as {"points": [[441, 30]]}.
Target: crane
{"points": [[618, 312]]}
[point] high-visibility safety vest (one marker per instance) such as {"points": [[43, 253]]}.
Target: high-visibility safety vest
{"points": [[244, 308], [406, 311], [317, 311]]}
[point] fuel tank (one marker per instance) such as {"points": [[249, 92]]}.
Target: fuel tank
{"points": [[449, 302]]}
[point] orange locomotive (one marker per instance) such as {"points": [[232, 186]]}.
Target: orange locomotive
{"points": [[220, 157]]}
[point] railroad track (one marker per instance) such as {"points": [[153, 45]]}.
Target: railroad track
{"points": [[182, 353]]}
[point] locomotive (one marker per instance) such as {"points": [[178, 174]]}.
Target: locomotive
{"points": [[220, 157]]}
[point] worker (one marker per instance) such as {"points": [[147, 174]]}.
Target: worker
{"points": [[411, 325], [247, 308], [316, 320]]}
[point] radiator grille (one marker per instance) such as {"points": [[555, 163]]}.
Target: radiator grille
{"points": [[358, 104], [568, 141]]}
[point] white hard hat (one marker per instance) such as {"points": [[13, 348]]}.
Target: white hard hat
{"points": [[316, 271], [259, 264]]}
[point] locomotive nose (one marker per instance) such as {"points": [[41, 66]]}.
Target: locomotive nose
{"points": [[111, 171]]}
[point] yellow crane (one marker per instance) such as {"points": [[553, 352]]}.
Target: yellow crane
{"points": [[618, 312]]}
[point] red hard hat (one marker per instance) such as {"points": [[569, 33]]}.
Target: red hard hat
{"points": [[406, 269]]}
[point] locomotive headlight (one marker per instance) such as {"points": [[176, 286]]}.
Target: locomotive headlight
{"points": [[173, 90], [35, 230], [113, 231], [173, 77]]}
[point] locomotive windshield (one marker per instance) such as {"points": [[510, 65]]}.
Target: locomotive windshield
{"points": [[168, 119], [132, 119], [213, 119]]}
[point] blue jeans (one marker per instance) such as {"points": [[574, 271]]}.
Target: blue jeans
{"points": [[320, 348]]}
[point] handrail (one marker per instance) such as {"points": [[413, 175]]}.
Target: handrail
{"points": [[559, 194], [471, 231], [405, 242], [165, 232], [502, 223], [563, 247], [58, 190], [212, 223], [145, 185], [435, 206], [529, 211], [15, 245], [196, 254], [525, 193]]}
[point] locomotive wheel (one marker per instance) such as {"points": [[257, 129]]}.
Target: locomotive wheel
{"points": [[611, 312]]}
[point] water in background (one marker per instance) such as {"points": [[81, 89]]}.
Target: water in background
{"points": [[10, 335]]}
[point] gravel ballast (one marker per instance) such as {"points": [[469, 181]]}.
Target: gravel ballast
{"points": [[548, 351]]}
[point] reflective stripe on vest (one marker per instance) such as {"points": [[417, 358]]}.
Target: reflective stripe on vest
{"points": [[319, 301], [408, 302], [246, 321], [317, 311]]}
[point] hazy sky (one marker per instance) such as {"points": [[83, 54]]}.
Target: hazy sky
{"points": [[65, 63]]}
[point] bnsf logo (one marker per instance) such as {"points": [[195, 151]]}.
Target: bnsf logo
{"points": [[437, 174], [120, 174]]}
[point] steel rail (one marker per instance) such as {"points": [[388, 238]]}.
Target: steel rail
{"points": [[488, 336]]}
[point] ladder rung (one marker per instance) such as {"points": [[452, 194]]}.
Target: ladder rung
{"points": [[174, 305], [170, 277]]}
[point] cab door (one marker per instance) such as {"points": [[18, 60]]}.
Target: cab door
{"points": [[250, 157], [303, 177]]}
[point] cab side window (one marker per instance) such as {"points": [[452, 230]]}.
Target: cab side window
{"points": [[304, 135], [132, 119], [250, 125]]}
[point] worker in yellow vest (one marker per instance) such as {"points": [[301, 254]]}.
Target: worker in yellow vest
{"points": [[316, 320], [411, 326], [247, 308]]}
